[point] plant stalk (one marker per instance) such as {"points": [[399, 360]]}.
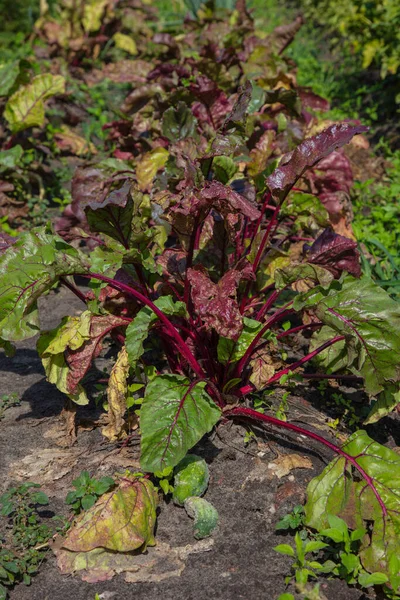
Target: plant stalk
{"points": [[250, 413], [181, 344]]}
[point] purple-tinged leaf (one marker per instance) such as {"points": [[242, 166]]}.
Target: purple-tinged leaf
{"points": [[283, 35], [331, 180], [226, 201], [174, 416], [112, 214], [214, 104], [307, 154], [336, 253], [78, 361], [311, 100], [216, 304], [240, 107], [6, 241]]}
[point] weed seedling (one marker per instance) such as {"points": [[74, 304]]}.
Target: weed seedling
{"points": [[7, 401], [25, 546], [87, 491]]}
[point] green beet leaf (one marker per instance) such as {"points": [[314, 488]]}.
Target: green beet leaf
{"points": [[386, 401], [25, 108], [138, 330], [308, 209], [370, 321], [229, 350], [174, 416], [204, 514], [288, 275], [8, 76], [371, 500], [178, 122], [9, 158], [191, 478], [28, 269]]}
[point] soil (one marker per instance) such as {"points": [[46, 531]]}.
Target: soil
{"points": [[238, 562]]}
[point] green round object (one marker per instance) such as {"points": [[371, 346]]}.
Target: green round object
{"points": [[191, 478]]}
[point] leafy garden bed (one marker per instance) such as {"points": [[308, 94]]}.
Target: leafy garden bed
{"points": [[208, 243]]}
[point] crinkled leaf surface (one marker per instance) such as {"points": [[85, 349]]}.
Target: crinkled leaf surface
{"points": [[216, 303], [336, 253], [121, 520], [370, 321], [287, 275], [191, 477], [174, 416], [138, 330], [205, 516], [116, 395], [262, 367], [307, 154], [28, 269], [78, 360], [25, 108], [336, 492], [308, 209], [8, 76]]}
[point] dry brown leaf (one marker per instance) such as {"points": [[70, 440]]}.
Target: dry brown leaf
{"points": [[45, 465], [285, 463], [116, 393], [157, 564]]}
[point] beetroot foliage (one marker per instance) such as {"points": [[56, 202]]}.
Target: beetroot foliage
{"points": [[195, 258]]}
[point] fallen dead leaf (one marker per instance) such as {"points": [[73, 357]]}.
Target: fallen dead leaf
{"points": [[156, 564], [285, 463], [45, 465]]}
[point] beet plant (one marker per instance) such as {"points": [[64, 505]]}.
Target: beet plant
{"points": [[217, 222], [216, 330]]}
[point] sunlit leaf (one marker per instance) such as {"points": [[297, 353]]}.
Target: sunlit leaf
{"points": [[174, 416], [370, 502], [25, 108], [121, 520], [370, 321], [28, 269]]}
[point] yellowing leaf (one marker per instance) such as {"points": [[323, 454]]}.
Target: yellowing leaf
{"points": [[122, 520], [262, 368], [67, 139], [125, 42], [149, 165], [25, 108], [71, 333], [92, 14], [116, 394]]}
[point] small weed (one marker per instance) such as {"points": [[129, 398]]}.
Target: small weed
{"points": [[87, 491], [7, 401], [25, 546], [338, 548]]}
